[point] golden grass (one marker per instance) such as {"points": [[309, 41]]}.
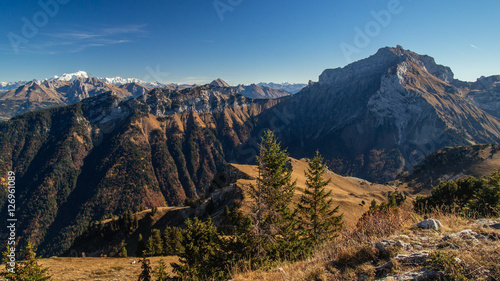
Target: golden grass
{"points": [[347, 192], [123, 269], [352, 255]]}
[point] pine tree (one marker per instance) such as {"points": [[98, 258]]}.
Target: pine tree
{"points": [[123, 252], [150, 247], [205, 256], [274, 190], [172, 238], [146, 270], [155, 243], [141, 247], [135, 223], [319, 219], [160, 273], [28, 269]]}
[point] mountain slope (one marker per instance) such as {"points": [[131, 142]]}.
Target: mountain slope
{"points": [[451, 163], [348, 193], [78, 163], [484, 93], [60, 91], [380, 116], [105, 155]]}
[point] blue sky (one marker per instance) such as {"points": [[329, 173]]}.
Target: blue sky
{"points": [[240, 41]]}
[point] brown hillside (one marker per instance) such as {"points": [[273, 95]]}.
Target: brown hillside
{"points": [[347, 192]]}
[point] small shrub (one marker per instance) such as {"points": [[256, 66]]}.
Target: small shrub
{"points": [[350, 257], [452, 267], [317, 274], [366, 271]]}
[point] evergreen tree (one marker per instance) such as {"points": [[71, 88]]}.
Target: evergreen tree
{"points": [[319, 219], [172, 241], [205, 256], [135, 222], [146, 270], [274, 190], [159, 271], [150, 247], [155, 243], [27, 269], [141, 247], [123, 252]]}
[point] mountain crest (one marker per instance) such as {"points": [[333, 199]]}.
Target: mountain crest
{"points": [[380, 62], [219, 83], [70, 77]]}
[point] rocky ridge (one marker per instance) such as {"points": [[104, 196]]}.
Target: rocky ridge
{"points": [[383, 113]]}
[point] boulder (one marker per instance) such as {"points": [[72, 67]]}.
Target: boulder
{"points": [[429, 224], [384, 244], [488, 223], [414, 258], [404, 245], [466, 234]]}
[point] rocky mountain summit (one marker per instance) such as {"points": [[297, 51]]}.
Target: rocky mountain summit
{"points": [[382, 115]]}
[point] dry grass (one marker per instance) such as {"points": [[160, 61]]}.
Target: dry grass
{"points": [[123, 269], [347, 192], [352, 256]]}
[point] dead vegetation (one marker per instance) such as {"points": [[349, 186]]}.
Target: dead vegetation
{"points": [[356, 255], [123, 269]]}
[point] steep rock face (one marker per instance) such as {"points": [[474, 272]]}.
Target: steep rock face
{"points": [[485, 94], [380, 116], [78, 163]]}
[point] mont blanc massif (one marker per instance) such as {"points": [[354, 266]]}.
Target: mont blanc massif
{"points": [[84, 149]]}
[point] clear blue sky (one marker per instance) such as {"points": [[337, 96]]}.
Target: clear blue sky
{"points": [[240, 41]]}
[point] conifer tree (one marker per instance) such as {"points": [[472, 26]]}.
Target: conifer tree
{"points": [[28, 269], [150, 247], [205, 256], [135, 223], [274, 190], [172, 238], [155, 243], [141, 247], [123, 252], [146, 270], [159, 272], [319, 219]]}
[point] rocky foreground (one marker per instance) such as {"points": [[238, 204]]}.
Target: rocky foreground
{"points": [[450, 248]]}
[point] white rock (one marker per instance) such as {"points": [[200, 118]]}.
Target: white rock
{"points": [[430, 224]]}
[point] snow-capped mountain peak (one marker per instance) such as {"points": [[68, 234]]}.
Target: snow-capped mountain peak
{"points": [[70, 77], [121, 81]]}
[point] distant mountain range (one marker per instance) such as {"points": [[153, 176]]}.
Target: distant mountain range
{"points": [[120, 147], [285, 86], [20, 97]]}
